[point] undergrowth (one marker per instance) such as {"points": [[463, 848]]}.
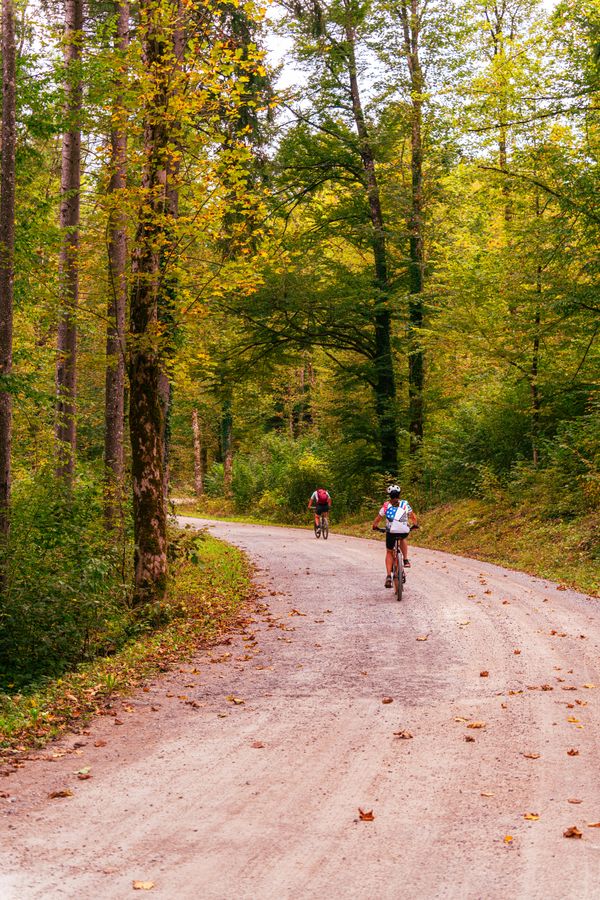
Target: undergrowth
{"points": [[210, 582]]}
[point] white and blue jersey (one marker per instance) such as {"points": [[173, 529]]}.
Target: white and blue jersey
{"points": [[396, 517]]}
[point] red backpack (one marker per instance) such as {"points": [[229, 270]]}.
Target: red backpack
{"points": [[322, 496]]}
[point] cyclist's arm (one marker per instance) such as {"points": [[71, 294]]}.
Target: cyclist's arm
{"points": [[412, 518], [376, 521]]}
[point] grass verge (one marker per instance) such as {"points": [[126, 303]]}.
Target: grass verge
{"points": [[567, 551], [209, 585]]}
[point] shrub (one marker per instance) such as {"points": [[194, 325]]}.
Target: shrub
{"points": [[65, 599]]}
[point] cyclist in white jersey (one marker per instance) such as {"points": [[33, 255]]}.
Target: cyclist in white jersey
{"points": [[399, 517]]}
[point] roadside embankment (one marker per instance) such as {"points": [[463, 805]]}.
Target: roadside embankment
{"points": [[210, 583]]}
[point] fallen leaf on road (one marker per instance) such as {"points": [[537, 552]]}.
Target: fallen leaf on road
{"points": [[593, 825], [568, 687], [462, 624], [388, 700], [484, 674], [469, 739], [531, 817], [476, 725], [589, 686], [487, 592], [531, 755], [296, 612], [573, 832], [404, 735], [574, 800], [237, 700], [423, 637], [513, 693], [83, 771], [118, 722], [508, 839], [366, 815], [572, 752], [517, 652], [143, 885], [257, 745], [460, 719], [572, 719], [581, 702], [506, 603], [562, 587], [99, 743], [487, 794], [84, 776], [55, 795]]}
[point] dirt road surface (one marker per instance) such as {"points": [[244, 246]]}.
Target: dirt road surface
{"points": [[241, 774]]}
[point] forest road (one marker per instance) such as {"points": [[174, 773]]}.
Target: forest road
{"points": [[241, 774]]}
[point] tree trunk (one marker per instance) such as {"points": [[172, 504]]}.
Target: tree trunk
{"points": [[117, 263], [410, 22], [198, 471], [169, 280], [7, 247], [66, 363], [147, 344], [384, 382], [535, 391], [227, 445]]}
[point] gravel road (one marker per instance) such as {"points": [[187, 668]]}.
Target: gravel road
{"points": [[241, 774]]}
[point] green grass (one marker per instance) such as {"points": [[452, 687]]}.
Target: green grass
{"points": [[207, 592], [567, 551]]}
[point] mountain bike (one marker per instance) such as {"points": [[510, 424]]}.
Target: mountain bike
{"points": [[398, 570], [322, 529]]}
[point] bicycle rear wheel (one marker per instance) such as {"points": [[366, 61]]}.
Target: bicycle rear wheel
{"points": [[399, 575], [324, 528]]}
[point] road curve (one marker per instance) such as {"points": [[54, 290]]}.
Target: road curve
{"points": [[241, 774]]}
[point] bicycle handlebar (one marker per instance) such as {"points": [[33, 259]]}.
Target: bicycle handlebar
{"points": [[384, 530]]}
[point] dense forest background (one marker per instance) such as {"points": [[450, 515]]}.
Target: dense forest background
{"points": [[233, 289]]}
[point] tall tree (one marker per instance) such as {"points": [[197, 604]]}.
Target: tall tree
{"points": [[146, 343], [117, 264], [7, 248], [66, 363], [410, 16], [385, 387]]}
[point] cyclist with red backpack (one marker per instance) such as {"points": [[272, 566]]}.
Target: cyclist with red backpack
{"points": [[322, 502]]}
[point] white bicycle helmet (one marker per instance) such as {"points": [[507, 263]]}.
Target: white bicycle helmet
{"points": [[393, 489]]}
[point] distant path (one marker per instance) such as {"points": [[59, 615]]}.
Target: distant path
{"points": [[216, 800]]}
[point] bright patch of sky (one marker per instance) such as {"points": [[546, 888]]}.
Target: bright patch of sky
{"points": [[279, 49]]}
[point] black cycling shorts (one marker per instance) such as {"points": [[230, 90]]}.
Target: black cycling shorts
{"points": [[321, 508], [390, 539]]}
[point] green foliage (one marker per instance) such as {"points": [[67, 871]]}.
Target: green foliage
{"points": [[65, 600]]}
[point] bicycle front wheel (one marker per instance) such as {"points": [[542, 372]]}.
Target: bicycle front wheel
{"points": [[317, 530]]}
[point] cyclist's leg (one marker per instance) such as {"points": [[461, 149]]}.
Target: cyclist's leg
{"points": [[404, 551]]}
